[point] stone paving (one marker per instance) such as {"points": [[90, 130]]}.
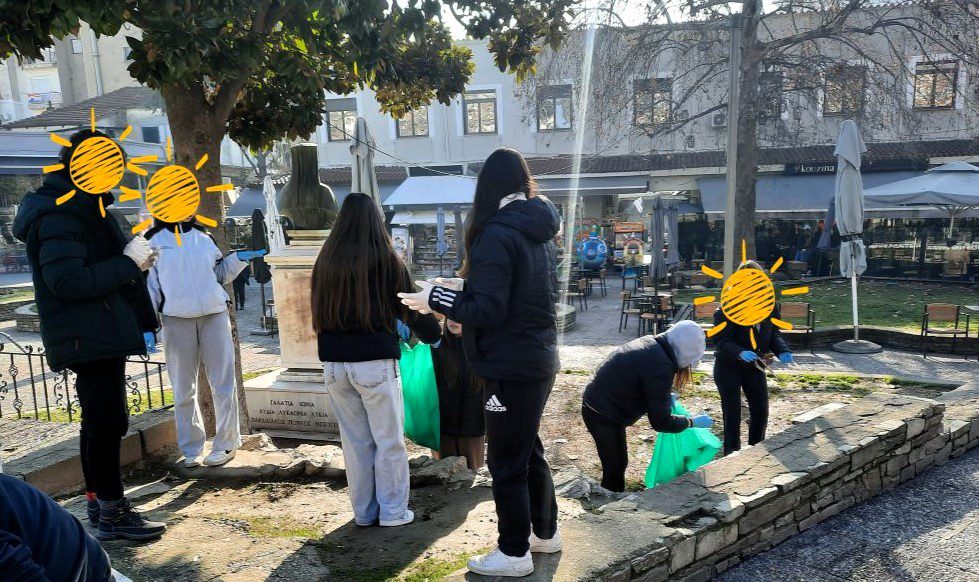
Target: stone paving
{"points": [[926, 529]]}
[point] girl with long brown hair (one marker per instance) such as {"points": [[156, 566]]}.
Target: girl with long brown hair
{"points": [[509, 334], [355, 308]]}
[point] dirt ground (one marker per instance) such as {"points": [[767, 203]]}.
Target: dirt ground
{"points": [[304, 530]]}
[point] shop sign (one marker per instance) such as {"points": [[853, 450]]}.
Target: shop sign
{"points": [[894, 165]]}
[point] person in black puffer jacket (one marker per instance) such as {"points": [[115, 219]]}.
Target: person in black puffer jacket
{"points": [[95, 311], [635, 380], [507, 312], [461, 422]]}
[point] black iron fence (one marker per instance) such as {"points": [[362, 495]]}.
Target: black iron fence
{"points": [[29, 389]]}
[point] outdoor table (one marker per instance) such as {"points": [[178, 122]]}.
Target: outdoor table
{"points": [[972, 309]]}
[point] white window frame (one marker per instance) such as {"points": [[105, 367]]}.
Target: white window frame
{"points": [[393, 126], [961, 81], [325, 126], [574, 101], [632, 93], [461, 110]]}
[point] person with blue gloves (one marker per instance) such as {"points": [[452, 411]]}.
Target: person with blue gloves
{"points": [[739, 365], [187, 289], [641, 378]]}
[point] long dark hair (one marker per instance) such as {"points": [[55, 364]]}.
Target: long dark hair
{"points": [[455, 369], [357, 272], [505, 172]]}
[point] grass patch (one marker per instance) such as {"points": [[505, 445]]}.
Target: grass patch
{"points": [[266, 527], [60, 414], [17, 296], [246, 376], [434, 569], [428, 570], [881, 303], [578, 372]]}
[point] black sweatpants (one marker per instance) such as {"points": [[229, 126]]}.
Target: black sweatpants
{"points": [[731, 379], [613, 450], [239, 290], [101, 389], [522, 486]]}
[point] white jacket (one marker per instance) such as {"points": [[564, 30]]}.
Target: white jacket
{"points": [[187, 280]]}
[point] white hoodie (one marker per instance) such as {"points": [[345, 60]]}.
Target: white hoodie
{"points": [[187, 279]]}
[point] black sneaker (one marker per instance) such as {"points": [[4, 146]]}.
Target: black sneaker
{"points": [[93, 511], [118, 520]]}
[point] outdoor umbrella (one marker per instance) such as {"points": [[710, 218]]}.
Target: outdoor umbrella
{"points": [[273, 220], [673, 234], [459, 237], [363, 179], [658, 265], [953, 188], [440, 245], [849, 221]]}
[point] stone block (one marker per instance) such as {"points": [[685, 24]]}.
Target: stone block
{"points": [[957, 428], [783, 533], [712, 541], [936, 444], [683, 554], [658, 574], [802, 512], [924, 464], [789, 481], [852, 475], [844, 491], [653, 558], [701, 574], [623, 575], [915, 426], [727, 564], [866, 454], [907, 473], [825, 514], [825, 500], [158, 437], [903, 449], [943, 455], [728, 510], [759, 497], [974, 429], [767, 513], [834, 476], [817, 412], [915, 455]]}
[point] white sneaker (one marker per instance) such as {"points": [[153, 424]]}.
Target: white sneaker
{"points": [[551, 546], [496, 563], [191, 462], [218, 457], [408, 517]]}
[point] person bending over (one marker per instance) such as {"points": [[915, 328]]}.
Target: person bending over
{"points": [[635, 380]]}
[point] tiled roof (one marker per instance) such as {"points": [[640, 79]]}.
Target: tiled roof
{"points": [[77, 115], [341, 176], [541, 166]]}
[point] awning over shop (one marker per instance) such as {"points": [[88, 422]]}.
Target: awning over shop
{"points": [[430, 192], [428, 217], [592, 185], [803, 197]]}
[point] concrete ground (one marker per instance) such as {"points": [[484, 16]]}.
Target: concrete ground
{"points": [[926, 529]]}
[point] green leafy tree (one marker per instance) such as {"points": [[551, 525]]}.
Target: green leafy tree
{"points": [[258, 70]]}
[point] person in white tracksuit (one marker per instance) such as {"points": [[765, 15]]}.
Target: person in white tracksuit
{"points": [[186, 286]]}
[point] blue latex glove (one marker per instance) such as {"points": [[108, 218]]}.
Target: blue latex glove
{"points": [[150, 338], [249, 255], [786, 358], [403, 330], [748, 356], [702, 421]]}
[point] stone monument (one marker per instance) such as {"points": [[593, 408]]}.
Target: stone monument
{"points": [[291, 401], [304, 200]]}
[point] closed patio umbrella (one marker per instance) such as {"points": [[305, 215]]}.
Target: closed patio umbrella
{"points": [[363, 179], [849, 220], [673, 234], [658, 264], [441, 247]]}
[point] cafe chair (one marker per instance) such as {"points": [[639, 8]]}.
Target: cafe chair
{"points": [[628, 308], [796, 313], [578, 290], [942, 313]]}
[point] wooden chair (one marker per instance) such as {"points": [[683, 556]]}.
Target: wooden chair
{"points": [[653, 313], [801, 311], [942, 313], [705, 311], [581, 293], [601, 282], [629, 274], [627, 309]]}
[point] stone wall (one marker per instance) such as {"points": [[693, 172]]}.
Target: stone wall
{"points": [[8, 310], [707, 521], [886, 336]]}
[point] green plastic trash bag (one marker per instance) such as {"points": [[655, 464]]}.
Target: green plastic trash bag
{"points": [[421, 395], [676, 453]]}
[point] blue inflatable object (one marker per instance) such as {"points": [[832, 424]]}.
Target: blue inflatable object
{"points": [[592, 252]]}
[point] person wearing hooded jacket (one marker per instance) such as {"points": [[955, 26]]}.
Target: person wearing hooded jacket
{"points": [[187, 288], [639, 378], [507, 312], [95, 312], [738, 366]]}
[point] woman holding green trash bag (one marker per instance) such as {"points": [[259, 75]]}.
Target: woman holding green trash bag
{"points": [[638, 379], [355, 309]]}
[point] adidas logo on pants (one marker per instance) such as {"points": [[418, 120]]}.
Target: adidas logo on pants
{"points": [[494, 404]]}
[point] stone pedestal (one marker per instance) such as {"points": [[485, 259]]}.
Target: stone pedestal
{"points": [[291, 402]]}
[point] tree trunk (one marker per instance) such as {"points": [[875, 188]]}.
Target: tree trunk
{"points": [[747, 162], [196, 133]]}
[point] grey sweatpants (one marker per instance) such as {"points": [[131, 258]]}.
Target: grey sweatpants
{"points": [[187, 343], [366, 399]]}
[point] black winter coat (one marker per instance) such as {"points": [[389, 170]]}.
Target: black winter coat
{"points": [[92, 300], [460, 403], [507, 307], [734, 339], [634, 380]]}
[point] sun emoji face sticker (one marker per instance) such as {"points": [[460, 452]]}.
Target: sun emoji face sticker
{"points": [[174, 194], [747, 297], [97, 165]]}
